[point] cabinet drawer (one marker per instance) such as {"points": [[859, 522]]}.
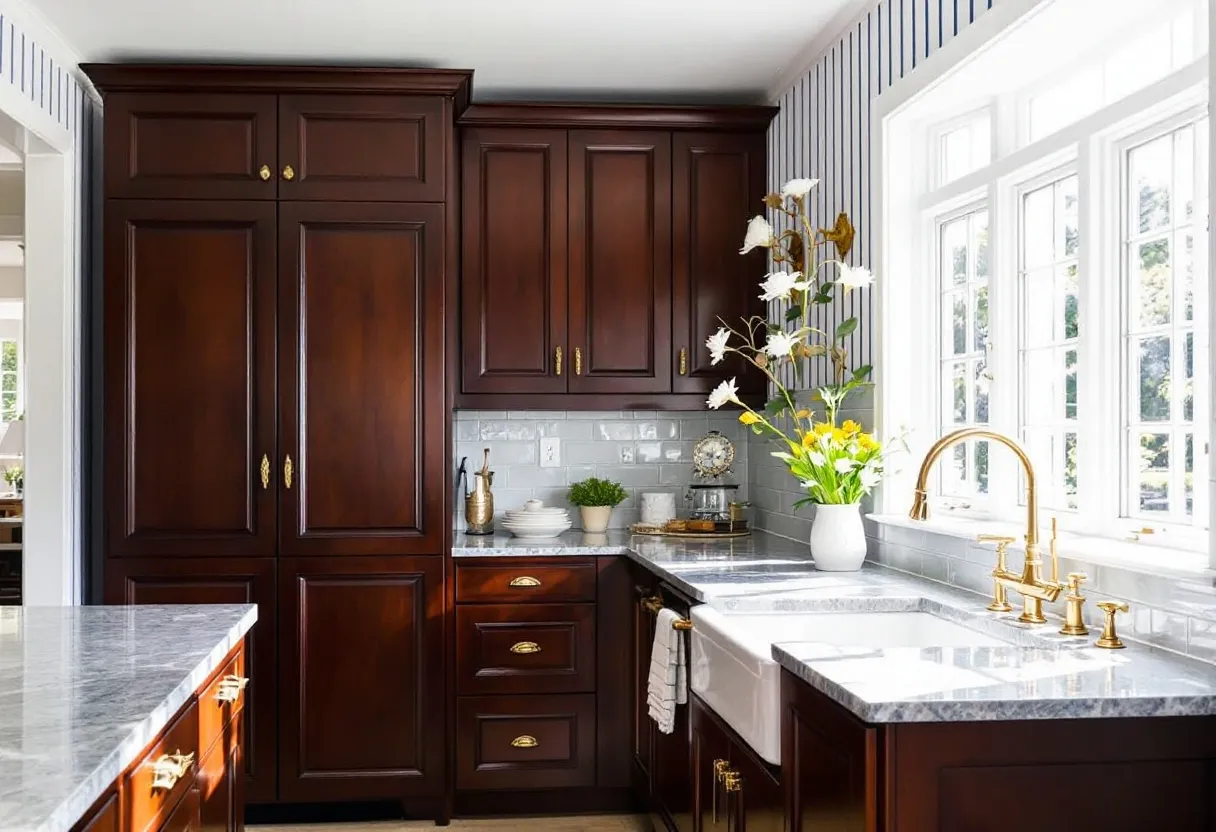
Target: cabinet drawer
{"points": [[222, 699], [533, 648], [525, 742], [525, 581], [147, 797], [187, 817]]}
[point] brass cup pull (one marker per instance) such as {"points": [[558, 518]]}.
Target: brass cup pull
{"points": [[289, 173], [288, 470], [169, 768], [524, 580], [525, 647], [578, 361], [524, 741], [265, 472], [230, 689], [683, 361], [557, 361], [264, 172]]}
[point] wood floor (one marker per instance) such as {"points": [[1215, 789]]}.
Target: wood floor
{"points": [[582, 823]]}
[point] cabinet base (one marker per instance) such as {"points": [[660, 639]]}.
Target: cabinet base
{"points": [[282, 814], [545, 802]]}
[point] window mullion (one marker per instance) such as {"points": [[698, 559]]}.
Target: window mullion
{"points": [[1004, 323]]}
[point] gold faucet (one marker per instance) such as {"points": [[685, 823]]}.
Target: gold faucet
{"points": [[1033, 588]]}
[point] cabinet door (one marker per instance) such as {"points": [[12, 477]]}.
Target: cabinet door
{"points": [[717, 185], [197, 146], [362, 370], [189, 378], [760, 800], [620, 262], [712, 804], [220, 783], [829, 761], [220, 581], [104, 817], [513, 270], [643, 725], [362, 678], [388, 148]]}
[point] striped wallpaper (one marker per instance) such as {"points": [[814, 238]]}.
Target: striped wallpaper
{"points": [[823, 130]]}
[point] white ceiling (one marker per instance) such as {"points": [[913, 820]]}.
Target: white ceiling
{"points": [[623, 49]]}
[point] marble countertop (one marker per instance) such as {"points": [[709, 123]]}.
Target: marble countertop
{"points": [[1039, 675], [83, 690]]}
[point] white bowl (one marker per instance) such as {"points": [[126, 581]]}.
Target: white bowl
{"points": [[539, 513], [538, 532]]}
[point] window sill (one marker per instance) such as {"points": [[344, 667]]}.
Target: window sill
{"points": [[1149, 558]]}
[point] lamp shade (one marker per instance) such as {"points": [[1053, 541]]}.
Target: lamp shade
{"points": [[12, 443]]}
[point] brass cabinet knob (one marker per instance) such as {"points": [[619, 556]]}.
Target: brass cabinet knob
{"points": [[524, 741], [264, 470], [169, 768], [289, 173], [1109, 638], [264, 172], [288, 470], [230, 689], [683, 361], [525, 647], [578, 361], [557, 361], [524, 580]]}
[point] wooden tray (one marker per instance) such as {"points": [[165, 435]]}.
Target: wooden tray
{"points": [[694, 535]]}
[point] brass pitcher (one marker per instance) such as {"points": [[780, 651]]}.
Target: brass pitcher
{"points": [[479, 503]]}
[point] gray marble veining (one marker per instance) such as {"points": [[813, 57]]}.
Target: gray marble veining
{"points": [[1039, 675], [84, 689]]}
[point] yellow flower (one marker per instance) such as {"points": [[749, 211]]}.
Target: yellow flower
{"points": [[867, 443], [839, 435], [809, 439], [748, 418], [822, 428], [850, 427], [803, 414]]}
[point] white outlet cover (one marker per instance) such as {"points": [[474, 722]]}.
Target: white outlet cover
{"points": [[550, 452]]}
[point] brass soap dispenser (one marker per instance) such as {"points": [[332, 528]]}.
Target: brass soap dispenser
{"points": [[479, 503]]}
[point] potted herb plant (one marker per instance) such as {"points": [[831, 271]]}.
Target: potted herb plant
{"points": [[15, 477], [595, 499]]}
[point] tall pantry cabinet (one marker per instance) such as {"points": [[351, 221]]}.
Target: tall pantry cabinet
{"points": [[278, 248]]}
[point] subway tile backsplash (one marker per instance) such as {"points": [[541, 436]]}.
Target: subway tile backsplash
{"points": [[643, 450]]}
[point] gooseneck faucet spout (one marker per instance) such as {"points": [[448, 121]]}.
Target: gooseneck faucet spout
{"points": [[1033, 588]]}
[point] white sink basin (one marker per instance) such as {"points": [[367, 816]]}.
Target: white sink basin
{"points": [[732, 669]]}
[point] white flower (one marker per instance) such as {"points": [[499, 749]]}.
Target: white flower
{"points": [[817, 459], [780, 344], [759, 235], [825, 440], [780, 284], [844, 466], [717, 344], [798, 188], [870, 476], [854, 278], [723, 393]]}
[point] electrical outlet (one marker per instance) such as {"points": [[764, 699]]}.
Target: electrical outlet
{"points": [[550, 452]]}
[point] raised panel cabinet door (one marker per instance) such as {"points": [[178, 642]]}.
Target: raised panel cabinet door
{"points": [[197, 146], [362, 703], [717, 185], [760, 799], [221, 581], [189, 378], [362, 368], [388, 148], [712, 804], [513, 268], [620, 262]]}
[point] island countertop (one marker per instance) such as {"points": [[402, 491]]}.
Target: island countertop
{"points": [[84, 689], [1038, 675]]}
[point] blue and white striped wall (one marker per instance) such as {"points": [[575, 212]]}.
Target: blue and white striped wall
{"points": [[823, 130]]}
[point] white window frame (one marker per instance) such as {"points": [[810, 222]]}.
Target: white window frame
{"points": [[939, 129], [20, 378]]}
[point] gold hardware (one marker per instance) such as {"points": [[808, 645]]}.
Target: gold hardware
{"points": [[1000, 602], [524, 741], [653, 604], [1074, 607], [169, 768], [524, 580], [1109, 638], [841, 234], [1055, 557], [523, 647], [720, 768], [557, 361], [287, 471], [1033, 588], [683, 361], [289, 173], [732, 781], [578, 361], [264, 172], [230, 689], [681, 624], [265, 471]]}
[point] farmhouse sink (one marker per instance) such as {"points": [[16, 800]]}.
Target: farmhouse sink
{"points": [[733, 671]]}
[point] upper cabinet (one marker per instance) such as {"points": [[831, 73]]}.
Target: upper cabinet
{"points": [[600, 248]]}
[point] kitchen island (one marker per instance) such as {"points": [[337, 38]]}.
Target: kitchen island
{"points": [[120, 717]]}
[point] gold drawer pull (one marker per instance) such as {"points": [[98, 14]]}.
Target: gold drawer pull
{"points": [[288, 470], [525, 647], [170, 768], [524, 580], [557, 361], [289, 173], [264, 172], [524, 741], [265, 472], [230, 689]]}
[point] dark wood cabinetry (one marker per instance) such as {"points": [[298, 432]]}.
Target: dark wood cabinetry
{"points": [[279, 248], [734, 790], [600, 249]]}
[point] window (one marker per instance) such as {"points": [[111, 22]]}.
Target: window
{"points": [[964, 146], [10, 381]]}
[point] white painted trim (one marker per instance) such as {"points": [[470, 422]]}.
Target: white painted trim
{"points": [[830, 34]]}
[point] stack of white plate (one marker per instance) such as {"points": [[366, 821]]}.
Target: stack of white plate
{"points": [[535, 521]]}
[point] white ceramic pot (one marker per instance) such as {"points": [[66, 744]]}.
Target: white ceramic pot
{"points": [[595, 518], [838, 540]]}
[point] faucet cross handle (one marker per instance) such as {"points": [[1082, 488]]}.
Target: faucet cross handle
{"points": [[1109, 638], [1075, 579], [1000, 601]]}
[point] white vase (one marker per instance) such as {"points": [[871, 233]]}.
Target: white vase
{"points": [[838, 540], [595, 518]]}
